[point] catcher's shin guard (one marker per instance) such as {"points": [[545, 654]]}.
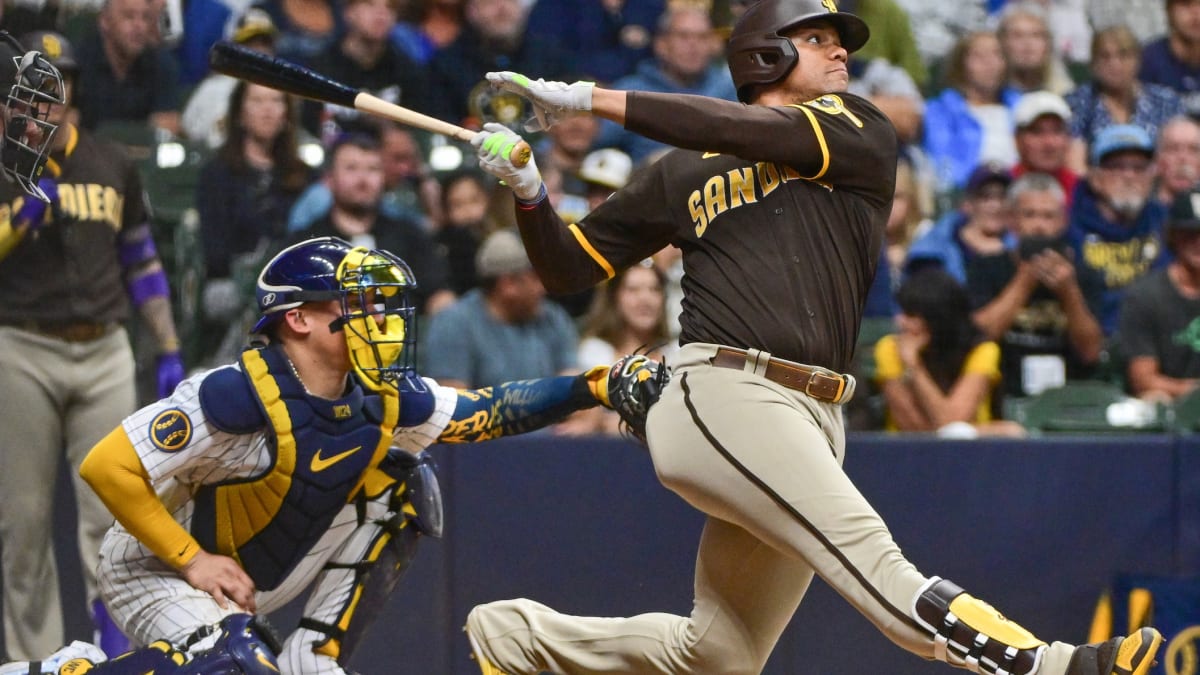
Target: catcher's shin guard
{"points": [[970, 633], [240, 644], [415, 510]]}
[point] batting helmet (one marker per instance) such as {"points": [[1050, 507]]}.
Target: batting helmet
{"points": [[374, 289], [33, 84], [758, 52]]}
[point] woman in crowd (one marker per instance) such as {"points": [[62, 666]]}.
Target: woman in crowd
{"points": [[628, 315], [937, 372], [1114, 95], [970, 122], [244, 195]]}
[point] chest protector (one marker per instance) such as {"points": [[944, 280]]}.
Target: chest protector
{"points": [[321, 451]]}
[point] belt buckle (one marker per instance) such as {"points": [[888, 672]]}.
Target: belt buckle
{"points": [[812, 377]]}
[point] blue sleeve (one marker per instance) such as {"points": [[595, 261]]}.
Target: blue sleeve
{"points": [[516, 408]]}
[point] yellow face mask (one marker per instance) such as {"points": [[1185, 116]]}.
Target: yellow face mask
{"points": [[374, 314]]}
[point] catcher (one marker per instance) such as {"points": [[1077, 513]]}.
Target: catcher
{"points": [[300, 466]]}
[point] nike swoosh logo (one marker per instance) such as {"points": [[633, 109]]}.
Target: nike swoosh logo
{"points": [[710, 154], [320, 463]]}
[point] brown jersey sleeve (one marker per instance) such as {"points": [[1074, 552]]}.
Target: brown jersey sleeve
{"points": [[630, 226], [824, 139]]}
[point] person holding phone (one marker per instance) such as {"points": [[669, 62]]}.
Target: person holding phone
{"points": [[1033, 299]]}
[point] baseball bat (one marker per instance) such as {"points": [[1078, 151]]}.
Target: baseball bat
{"points": [[271, 71]]}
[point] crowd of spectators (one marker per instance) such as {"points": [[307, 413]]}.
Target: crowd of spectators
{"points": [[1048, 149]]}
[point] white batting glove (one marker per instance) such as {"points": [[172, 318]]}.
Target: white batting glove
{"points": [[552, 101], [494, 146]]}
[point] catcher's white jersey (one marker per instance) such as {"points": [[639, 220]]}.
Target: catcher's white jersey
{"points": [[182, 450]]}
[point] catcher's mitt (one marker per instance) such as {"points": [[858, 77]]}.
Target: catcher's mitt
{"points": [[634, 383]]}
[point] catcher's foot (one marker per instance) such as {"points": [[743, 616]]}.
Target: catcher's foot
{"points": [[1130, 655], [485, 666]]}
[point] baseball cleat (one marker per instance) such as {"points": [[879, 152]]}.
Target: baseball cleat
{"points": [[485, 666], [1130, 655]]}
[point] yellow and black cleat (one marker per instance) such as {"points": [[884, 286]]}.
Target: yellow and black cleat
{"points": [[1130, 655]]}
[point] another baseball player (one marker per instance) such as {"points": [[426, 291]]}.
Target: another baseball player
{"points": [[73, 262], [779, 208], [299, 466]]}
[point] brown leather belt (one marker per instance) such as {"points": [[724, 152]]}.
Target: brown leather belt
{"points": [[72, 331], [818, 384]]}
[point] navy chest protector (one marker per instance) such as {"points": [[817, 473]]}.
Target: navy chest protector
{"points": [[322, 452]]}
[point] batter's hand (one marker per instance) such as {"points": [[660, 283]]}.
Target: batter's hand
{"points": [[552, 101], [494, 146], [222, 578], [32, 213]]}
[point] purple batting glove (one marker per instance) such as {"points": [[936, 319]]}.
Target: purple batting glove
{"points": [[170, 373], [33, 211]]}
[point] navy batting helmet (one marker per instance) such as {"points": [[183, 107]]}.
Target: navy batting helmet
{"points": [[374, 289], [758, 52], [31, 84]]}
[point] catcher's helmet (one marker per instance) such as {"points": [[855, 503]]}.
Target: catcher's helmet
{"points": [[374, 289], [30, 84], [758, 53]]}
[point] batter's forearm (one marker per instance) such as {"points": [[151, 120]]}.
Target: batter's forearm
{"points": [[609, 104], [156, 313], [563, 258]]}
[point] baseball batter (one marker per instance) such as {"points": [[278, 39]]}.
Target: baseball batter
{"points": [[779, 209], [299, 466]]}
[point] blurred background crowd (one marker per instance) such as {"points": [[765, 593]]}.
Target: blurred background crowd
{"points": [[1042, 260]]}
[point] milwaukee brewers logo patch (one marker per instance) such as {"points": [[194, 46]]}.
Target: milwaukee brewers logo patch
{"points": [[171, 430], [832, 104]]}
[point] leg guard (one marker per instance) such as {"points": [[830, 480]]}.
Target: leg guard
{"points": [[239, 644], [972, 634], [414, 509]]}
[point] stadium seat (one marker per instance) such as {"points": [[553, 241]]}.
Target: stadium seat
{"points": [[1087, 406]]}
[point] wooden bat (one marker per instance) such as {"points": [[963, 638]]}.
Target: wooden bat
{"points": [[271, 71]]}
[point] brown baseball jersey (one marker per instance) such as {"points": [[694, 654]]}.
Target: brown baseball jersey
{"points": [[778, 253]]}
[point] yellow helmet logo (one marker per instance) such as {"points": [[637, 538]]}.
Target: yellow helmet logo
{"points": [[51, 47], [829, 5]]}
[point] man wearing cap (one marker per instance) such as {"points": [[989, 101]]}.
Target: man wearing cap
{"points": [[1174, 59], [204, 114], [1159, 326], [1043, 138], [1115, 225], [977, 227], [67, 372], [603, 172], [504, 330]]}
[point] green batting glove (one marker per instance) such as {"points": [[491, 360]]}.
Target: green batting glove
{"points": [[552, 101]]}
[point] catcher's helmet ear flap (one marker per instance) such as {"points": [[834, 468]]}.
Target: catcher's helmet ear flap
{"points": [[758, 52], [31, 84]]}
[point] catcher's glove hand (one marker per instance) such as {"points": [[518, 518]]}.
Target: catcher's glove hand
{"points": [[630, 386]]}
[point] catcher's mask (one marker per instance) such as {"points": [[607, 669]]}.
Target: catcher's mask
{"points": [[34, 84], [374, 290]]}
